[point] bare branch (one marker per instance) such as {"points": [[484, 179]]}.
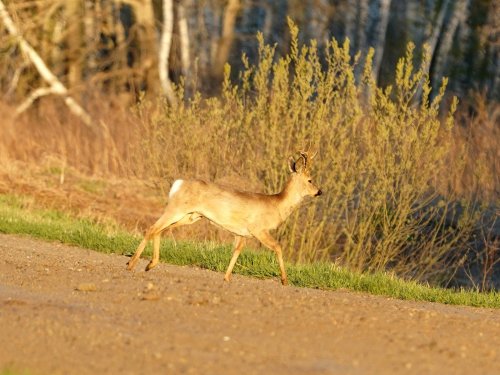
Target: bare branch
{"points": [[56, 87], [15, 79], [42, 91]]}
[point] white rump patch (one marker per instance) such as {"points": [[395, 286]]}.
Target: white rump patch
{"points": [[175, 188]]}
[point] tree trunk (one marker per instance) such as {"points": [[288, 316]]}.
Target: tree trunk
{"points": [[146, 39], [184, 40], [226, 40], [379, 36], [356, 17], [318, 13], [350, 16], [458, 16], [432, 41], [437, 29], [362, 22], [89, 23], [74, 14], [165, 43], [120, 51], [268, 20]]}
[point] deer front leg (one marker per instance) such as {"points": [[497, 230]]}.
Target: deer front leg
{"points": [[238, 245], [267, 240]]}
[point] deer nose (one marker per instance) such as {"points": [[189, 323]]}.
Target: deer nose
{"points": [[318, 193]]}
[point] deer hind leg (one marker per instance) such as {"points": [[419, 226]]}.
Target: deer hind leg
{"points": [[267, 240], [135, 258], [168, 219], [238, 245], [186, 220]]}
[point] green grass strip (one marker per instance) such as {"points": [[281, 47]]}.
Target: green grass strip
{"points": [[9, 371], [107, 237]]}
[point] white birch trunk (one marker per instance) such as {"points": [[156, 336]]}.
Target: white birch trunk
{"points": [[165, 43]]}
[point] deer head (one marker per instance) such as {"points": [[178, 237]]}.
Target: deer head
{"points": [[301, 177]]}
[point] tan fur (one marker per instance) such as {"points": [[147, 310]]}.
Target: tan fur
{"points": [[244, 214]]}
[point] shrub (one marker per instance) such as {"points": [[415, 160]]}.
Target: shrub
{"points": [[381, 154]]}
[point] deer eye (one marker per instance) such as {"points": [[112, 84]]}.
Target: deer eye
{"points": [[310, 181]]}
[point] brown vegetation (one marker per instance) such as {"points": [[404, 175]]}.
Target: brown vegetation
{"points": [[393, 171]]}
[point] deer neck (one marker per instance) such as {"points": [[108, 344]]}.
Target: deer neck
{"points": [[288, 200]]}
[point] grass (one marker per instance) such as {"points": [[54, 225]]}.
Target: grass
{"points": [[16, 218], [8, 371]]}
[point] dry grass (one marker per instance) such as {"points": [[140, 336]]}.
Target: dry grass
{"points": [[392, 167], [475, 146]]}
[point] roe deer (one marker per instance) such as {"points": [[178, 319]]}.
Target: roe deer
{"points": [[244, 214]]}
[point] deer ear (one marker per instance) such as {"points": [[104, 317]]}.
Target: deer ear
{"points": [[300, 165], [291, 165]]}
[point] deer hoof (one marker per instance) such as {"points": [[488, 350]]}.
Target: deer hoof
{"points": [[284, 281], [150, 266]]}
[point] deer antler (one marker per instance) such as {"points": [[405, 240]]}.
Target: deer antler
{"points": [[303, 155], [294, 164]]}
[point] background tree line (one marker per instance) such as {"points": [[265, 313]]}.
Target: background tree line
{"points": [[128, 46]]}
